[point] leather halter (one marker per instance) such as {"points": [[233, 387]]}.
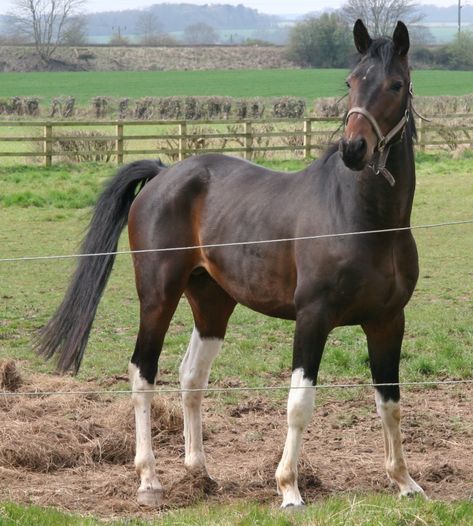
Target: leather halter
{"points": [[383, 148]]}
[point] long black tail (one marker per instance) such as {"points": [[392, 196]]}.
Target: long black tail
{"points": [[66, 334]]}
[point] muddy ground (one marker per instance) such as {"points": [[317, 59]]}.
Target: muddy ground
{"points": [[75, 452]]}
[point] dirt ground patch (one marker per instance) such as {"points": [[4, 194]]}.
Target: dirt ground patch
{"points": [[75, 452]]}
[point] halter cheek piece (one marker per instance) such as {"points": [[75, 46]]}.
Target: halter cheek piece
{"points": [[383, 148]]}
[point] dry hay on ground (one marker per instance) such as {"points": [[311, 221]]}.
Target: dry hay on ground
{"points": [[10, 379], [75, 452]]}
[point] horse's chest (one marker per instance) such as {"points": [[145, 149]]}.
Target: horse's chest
{"points": [[368, 288]]}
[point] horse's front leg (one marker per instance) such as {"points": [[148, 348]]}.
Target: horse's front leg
{"points": [[384, 345], [309, 341]]}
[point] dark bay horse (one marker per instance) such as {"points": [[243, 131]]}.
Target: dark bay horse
{"points": [[365, 183]]}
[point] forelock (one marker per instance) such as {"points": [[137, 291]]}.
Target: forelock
{"points": [[382, 49]]}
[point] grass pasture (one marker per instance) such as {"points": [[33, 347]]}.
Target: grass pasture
{"points": [[305, 83], [45, 211]]}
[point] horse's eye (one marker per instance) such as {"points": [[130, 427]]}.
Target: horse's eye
{"points": [[396, 86], [348, 84]]}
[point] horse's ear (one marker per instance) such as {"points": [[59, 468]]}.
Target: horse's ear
{"points": [[401, 39], [362, 37]]}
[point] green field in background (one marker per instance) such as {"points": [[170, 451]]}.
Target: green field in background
{"points": [[306, 83]]}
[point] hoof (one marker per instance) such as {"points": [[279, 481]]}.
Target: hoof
{"points": [[293, 507], [153, 498], [200, 479], [294, 502], [210, 485], [412, 492]]}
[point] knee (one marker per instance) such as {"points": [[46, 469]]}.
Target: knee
{"points": [[390, 412], [191, 384], [192, 379], [299, 413], [301, 401], [387, 409], [137, 381]]}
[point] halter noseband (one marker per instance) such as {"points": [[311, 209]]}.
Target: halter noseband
{"points": [[383, 148]]}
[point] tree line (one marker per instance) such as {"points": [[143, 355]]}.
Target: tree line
{"points": [[325, 41], [322, 41], [48, 23]]}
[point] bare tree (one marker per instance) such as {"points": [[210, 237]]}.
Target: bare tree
{"points": [[200, 33], [43, 22], [380, 16], [75, 32], [8, 37], [149, 28]]}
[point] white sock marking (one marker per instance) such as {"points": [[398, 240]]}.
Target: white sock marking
{"points": [[396, 467], [300, 405], [144, 459], [194, 374]]}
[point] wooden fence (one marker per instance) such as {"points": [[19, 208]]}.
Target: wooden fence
{"points": [[247, 138]]}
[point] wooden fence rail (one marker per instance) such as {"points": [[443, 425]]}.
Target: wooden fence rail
{"points": [[179, 139]]}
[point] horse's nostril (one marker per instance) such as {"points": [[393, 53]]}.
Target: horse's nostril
{"points": [[354, 152], [360, 146], [354, 149]]}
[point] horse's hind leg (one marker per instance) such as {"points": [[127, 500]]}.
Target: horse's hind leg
{"points": [[384, 345], [159, 297], [211, 307]]}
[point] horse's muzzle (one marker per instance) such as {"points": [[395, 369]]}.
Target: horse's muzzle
{"points": [[353, 153]]}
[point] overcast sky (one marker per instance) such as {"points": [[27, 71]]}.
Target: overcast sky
{"points": [[265, 6]]}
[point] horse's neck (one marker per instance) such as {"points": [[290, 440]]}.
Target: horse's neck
{"points": [[403, 166], [391, 206]]}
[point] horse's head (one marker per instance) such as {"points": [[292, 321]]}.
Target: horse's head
{"points": [[380, 88]]}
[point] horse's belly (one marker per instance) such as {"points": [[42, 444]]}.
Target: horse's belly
{"points": [[264, 284]]}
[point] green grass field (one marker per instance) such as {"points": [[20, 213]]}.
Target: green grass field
{"points": [[45, 212], [306, 83]]}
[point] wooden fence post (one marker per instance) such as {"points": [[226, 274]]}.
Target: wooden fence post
{"points": [[307, 138], [47, 144], [119, 144], [248, 130], [182, 140]]}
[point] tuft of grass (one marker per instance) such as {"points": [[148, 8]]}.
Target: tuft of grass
{"points": [[18, 515], [63, 186]]}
